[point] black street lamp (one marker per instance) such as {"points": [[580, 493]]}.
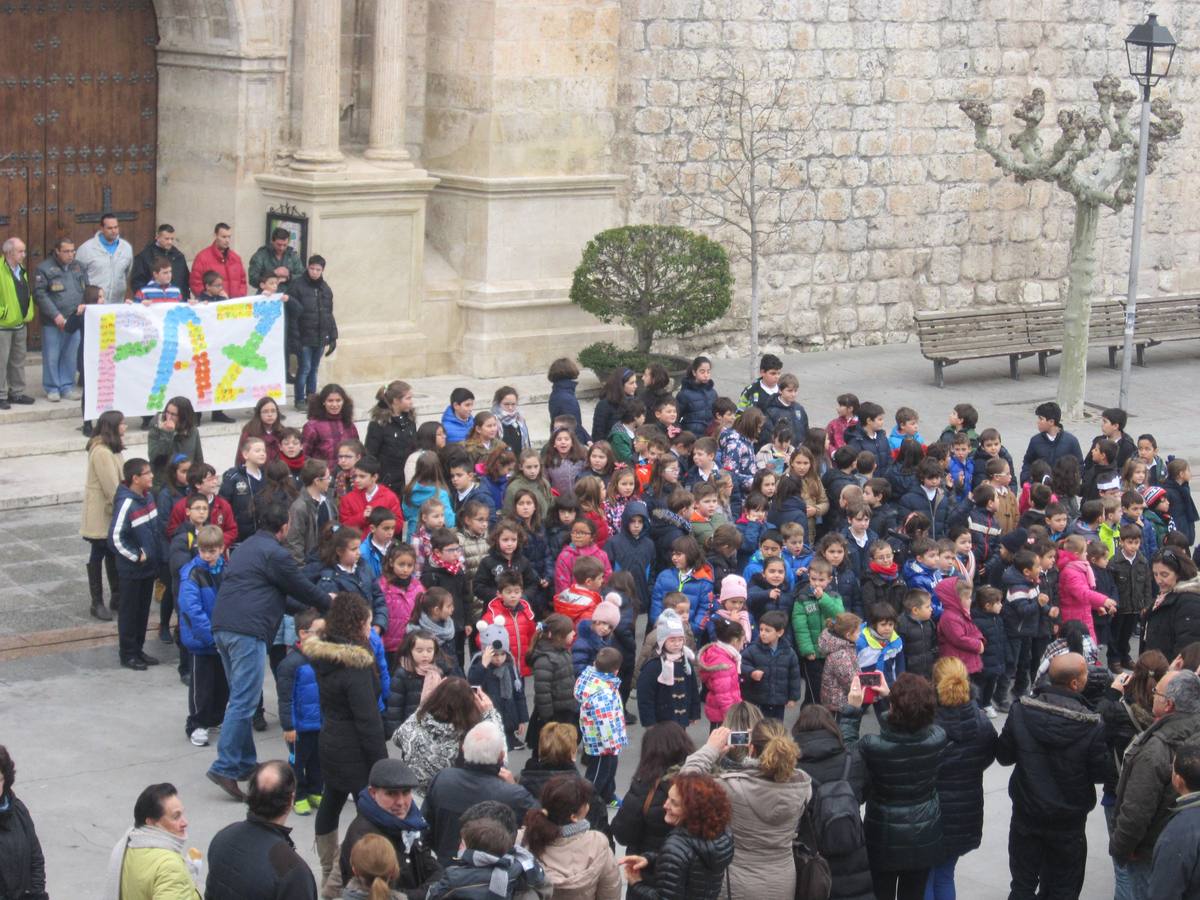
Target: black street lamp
{"points": [[1149, 49]]}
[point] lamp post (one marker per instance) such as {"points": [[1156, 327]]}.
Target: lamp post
{"points": [[1149, 49]]}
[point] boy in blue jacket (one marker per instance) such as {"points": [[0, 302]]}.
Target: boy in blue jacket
{"points": [[922, 569], [300, 713], [199, 580], [1023, 601], [594, 634], [139, 545]]}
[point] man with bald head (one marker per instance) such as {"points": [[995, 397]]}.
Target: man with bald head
{"points": [[255, 859], [1056, 744], [1145, 794]]}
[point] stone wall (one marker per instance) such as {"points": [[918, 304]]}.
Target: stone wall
{"points": [[902, 213]]}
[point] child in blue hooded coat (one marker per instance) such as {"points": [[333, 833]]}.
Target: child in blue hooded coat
{"points": [[632, 550], [300, 715], [199, 580]]}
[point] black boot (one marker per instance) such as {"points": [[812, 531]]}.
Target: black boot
{"points": [[96, 589], [1001, 699], [114, 582]]}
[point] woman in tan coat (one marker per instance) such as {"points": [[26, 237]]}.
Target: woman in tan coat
{"points": [[768, 795], [577, 860], [103, 476]]}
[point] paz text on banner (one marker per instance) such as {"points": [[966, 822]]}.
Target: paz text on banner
{"points": [[219, 355]]}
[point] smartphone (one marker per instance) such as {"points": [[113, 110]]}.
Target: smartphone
{"points": [[870, 679], [739, 739]]}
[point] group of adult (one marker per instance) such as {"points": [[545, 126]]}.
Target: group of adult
{"points": [[105, 269]]}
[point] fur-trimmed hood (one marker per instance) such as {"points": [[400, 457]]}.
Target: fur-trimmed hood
{"points": [[337, 653]]}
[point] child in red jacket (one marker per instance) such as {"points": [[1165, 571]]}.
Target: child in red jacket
{"points": [[513, 611]]}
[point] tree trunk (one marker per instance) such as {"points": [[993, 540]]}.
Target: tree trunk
{"points": [[644, 338], [1072, 379], [755, 299]]}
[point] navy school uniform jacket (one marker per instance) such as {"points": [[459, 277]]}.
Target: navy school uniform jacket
{"points": [[299, 696], [781, 674], [937, 510], [1021, 609], [694, 403], [857, 556], [857, 438], [1042, 447], [637, 556], [846, 585], [776, 412], [985, 533], [752, 533], [587, 644], [995, 640], [1182, 508], [980, 461], [665, 527], [563, 402], [134, 530], [241, 490], [920, 644], [479, 491], [336, 579], [492, 566]]}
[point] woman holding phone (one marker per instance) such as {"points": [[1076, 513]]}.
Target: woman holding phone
{"points": [[903, 821], [768, 795], [430, 739]]}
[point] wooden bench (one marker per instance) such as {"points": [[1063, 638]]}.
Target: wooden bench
{"points": [[1021, 331]]}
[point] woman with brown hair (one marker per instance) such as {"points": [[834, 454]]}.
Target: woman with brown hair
{"points": [[694, 860], [105, 466], [351, 739], [903, 823], [640, 824], [970, 749], [265, 422], [392, 432], [768, 795], [577, 859], [430, 739]]}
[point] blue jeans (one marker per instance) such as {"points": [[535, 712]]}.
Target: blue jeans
{"points": [[59, 352], [307, 361], [940, 885], [245, 661]]}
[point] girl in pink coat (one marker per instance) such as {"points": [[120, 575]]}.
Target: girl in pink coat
{"points": [[958, 636], [1077, 594], [583, 543], [720, 667]]}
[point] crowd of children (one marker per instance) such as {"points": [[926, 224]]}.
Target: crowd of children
{"points": [[776, 562]]}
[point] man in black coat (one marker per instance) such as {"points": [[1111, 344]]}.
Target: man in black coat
{"points": [[260, 581], [163, 245], [255, 859], [480, 776], [1057, 744], [386, 807]]}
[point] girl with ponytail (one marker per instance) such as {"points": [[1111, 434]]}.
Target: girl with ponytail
{"points": [[373, 861], [768, 795], [577, 860], [392, 432]]}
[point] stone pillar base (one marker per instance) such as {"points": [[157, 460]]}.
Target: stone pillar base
{"points": [[377, 219]]}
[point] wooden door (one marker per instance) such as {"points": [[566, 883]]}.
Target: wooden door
{"points": [[79, 99]]}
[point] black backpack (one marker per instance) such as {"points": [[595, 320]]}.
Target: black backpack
{"points": [[835, 823]]}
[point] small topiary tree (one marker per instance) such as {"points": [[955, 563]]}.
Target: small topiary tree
{"points": [[659, 279]]}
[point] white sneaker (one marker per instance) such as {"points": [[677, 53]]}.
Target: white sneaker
{"points": [[991, 711], [74, 394], [53, 396], [200, 737]]}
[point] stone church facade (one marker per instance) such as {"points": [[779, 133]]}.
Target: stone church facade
{"points": [[450, 158]]}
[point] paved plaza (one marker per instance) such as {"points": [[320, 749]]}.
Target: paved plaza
{"points": [[87, 736]]}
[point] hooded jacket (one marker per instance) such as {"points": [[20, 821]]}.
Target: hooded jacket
{"points": [[553, 683], [696, 583], [601, 713], [335, 579], [1021, 609], [196, 597], [1175, 621], [1057, 746], [720, 673], [920, 644], [351, 738], [1077, 594], [1145, 793], [970, 749], [841, 665], [586, 645], [635, 555], [957, 633]]}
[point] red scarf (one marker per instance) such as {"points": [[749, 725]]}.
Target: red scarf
{"points": [[294, 463], [451, 566], [885, 571]]}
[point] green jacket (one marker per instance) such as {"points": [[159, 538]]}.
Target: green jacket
{"points": [[622, 444], [808, 618], [264, 260], [155, 874], [11, 315]]}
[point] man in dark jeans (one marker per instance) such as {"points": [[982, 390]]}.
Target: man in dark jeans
{"points": [[1057, 745], [261, 581]]}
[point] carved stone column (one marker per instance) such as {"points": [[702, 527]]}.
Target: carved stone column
{"points": [[388, 94], [322, 62]]}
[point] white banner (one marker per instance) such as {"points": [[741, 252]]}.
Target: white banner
{"points": [[219, 355]]}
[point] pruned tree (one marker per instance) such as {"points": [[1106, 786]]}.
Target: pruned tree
{"points": [[1095, 160], [659, 279], [749, 131]]}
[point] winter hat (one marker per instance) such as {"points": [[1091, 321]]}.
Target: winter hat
{"points": [[1153, 495], [732, 586], [669, 625], [492, 634], [1015, 540], [608, 613]]}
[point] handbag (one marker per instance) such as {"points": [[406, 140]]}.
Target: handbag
{"points": [[814, 880]]}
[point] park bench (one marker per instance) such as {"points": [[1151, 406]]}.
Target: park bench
{"points": [[1021, 331]]}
